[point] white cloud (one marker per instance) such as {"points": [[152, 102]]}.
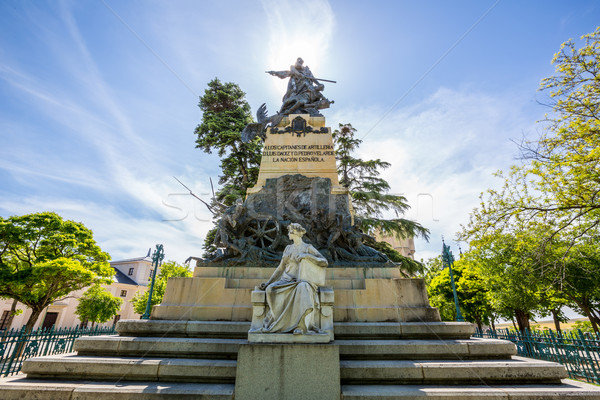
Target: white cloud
{"points": [[120, 233], [443, 152]]}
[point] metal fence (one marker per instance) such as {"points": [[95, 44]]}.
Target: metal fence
{"points": [[579, 352], [16, 345]]}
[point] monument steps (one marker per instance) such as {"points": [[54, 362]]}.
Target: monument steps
{"points": [[127, 346], [181, 329], [568, 389], [403, 330], [430, 372], [426, 349], [154, 359], [359, 271], [146, 369], [18, 388], [439, 361], [338, 284], [343, 330]]}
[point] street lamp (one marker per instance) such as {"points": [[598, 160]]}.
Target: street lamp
{"points": [[448, 260], [157, 258]]}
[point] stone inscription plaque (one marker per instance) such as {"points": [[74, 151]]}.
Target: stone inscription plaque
{"points": [[308, 151]]}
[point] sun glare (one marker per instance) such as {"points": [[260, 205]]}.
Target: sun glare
{"points": [[297, 32]]}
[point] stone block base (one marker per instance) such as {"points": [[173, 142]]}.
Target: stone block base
{"points": [[257, 337], [288, 371]]}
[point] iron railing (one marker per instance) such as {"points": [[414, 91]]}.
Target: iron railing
{"points": [[579, 352], [17, 345]]}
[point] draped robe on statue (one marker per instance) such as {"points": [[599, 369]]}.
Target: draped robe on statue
{"points": [[294, 295]]}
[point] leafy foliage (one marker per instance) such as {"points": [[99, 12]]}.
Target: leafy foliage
{"points": [[43, 258], [369, 192], [98, 305], [169, 269], [583, 326], [541, 227], [559, 184], [473, 293], [225, 114]]}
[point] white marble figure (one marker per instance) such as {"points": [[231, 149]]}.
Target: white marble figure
{"points": [[291, 291]]}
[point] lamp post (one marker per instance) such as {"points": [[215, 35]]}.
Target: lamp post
{"points": [[157, 258], [448, 260]]}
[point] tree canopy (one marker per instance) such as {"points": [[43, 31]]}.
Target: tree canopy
{"points": [[98, 305], [43, 258], [538, 235], [225, 114], [474, 295], [558, 183]]}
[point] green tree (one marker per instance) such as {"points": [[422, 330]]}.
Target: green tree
{"points": [[552, 196], [97, 305], [169, 269], [43, 258], [580, 285], [369, 192], [225, 114], [583, 326], [559, 181], [472, 292], [510, 264]]}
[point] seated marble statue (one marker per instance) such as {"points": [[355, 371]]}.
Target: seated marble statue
{"points": [[291, 291]]}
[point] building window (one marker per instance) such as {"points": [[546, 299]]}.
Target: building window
{"points": [[150, 276], [49, 320], [130, 271], [123, 293], [117, 318], [4, 320]]}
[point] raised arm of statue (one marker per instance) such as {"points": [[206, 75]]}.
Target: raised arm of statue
{"points": [[280, 74]]}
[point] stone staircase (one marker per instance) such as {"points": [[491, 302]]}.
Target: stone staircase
{"points": [[157, 359], [440, 361], [147, 360]]}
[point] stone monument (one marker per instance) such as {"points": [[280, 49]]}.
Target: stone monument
{"points": [[258, 320]]}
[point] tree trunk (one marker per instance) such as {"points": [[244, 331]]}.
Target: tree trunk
{"points": [[479, 323], [556, 320], [18, 350], [522, 320], [594, 319], [588, 313], [493, 323], [35, 314]]}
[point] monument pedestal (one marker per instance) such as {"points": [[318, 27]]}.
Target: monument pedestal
{"points": [[288, 371], [362, 294]]}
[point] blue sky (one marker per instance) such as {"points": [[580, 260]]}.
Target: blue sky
{"points": [[98, 100]]}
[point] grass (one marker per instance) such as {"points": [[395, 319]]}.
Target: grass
{"points": [[544, 324]]}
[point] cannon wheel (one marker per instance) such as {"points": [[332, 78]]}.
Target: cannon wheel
{"points": [[265, 232]]}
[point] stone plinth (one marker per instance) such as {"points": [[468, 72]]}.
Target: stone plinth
{"points": [[362, 294], [300, 144], [257, 337], [288, 371]]}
